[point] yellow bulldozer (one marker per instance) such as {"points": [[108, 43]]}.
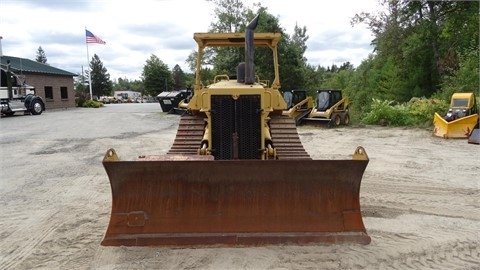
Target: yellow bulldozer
{"points": [[330, 107], [237, 173], [460, 119]]}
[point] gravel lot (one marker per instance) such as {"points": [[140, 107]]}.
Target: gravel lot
{"points": [[420, 196]]}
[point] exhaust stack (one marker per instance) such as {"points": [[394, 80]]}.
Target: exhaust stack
{"points": [[249, 49]]}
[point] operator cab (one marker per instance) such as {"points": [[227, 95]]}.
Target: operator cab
{"points": [[327, 98]]}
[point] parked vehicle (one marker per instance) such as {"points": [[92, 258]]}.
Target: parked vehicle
{"points": [[460, 119], [331, 107], [17, 96]]}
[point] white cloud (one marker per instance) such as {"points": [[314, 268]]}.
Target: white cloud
{"points": [[165, 28]]}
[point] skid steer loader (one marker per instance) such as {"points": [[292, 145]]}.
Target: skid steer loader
{"points": [[299, 104], [331, 107], [237, 173], [460, 119]]}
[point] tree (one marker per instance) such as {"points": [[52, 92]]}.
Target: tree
{"points": [[126, 84], [293, 72], [81, 84], [156, 76], [230, 16], [233, 16], [121, 84], [179, 78], [41, 58], [423, 42], [101, 83]]}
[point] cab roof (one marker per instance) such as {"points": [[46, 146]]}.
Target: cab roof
{"points": [[235, 39]]}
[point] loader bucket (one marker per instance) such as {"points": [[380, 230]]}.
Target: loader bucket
{"points": [[189, 201], [456, 129], [474, 137]]}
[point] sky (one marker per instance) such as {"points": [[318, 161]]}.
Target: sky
{"points": [[134, 31]]}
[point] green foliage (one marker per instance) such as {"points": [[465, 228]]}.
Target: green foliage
{"points": [[230, 16], [101, 83], [79, 101], [338, 80], [422, 110], [179, 78], [41, 57], [233, 16], [416, 112], [156, 76], [91, 104], [122, 84], [466, 79], [293, 68], [81, 87], [422, 48], [385, 113]]}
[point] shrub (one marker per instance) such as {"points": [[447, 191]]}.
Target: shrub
{"points": [[422, 110], [417, 112], [92, 104], [383, 112], [79, 101]]}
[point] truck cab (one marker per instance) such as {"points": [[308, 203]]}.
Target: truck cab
{"points": [[17, 96]]}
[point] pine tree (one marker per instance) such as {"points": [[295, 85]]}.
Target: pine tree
{"points": [[101, 83], [41, 58]]}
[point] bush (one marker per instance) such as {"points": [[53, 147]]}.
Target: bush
{"points": [[384, 113], [422, 110], [79, 101], [92, 104], [417, 112]]}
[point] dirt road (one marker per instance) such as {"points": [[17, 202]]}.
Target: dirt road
{"points": [[419, 196]]}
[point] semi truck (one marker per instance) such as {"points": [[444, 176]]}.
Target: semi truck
{"points": [[17, 96]]}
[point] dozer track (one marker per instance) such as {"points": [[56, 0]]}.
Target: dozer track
{"points": [[285, 138], [189, 135], [282, 128]]}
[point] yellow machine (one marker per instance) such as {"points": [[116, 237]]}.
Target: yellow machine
{"points": [[237, 173], [461, 118], [299, 105], [331, 107]]}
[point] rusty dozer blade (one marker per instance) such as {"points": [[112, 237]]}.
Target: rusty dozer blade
{"points": [[191, 201]]}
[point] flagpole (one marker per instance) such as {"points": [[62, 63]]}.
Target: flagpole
{"points": [[89, 71]]}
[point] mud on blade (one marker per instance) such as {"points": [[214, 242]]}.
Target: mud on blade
{"points": [[186, 201]]}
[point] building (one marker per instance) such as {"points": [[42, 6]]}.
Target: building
{"points": [[54, 85]]}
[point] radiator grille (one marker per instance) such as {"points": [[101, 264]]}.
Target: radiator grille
{"points": [[240, 117]]}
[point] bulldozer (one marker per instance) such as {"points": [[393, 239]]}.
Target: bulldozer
{"points": [[330, 107], [460, 119], [237, 173]]}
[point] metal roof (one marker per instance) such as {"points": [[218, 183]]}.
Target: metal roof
{"points": [[18, 65]]}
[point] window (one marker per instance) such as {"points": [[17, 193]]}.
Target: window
{"points": [[48, 92], [64, 92], [460, 102]]}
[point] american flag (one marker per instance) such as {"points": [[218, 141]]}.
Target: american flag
{"points": [[91, 38]]}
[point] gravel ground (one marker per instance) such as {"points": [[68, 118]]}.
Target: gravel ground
{"points": [[419, 196]]}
